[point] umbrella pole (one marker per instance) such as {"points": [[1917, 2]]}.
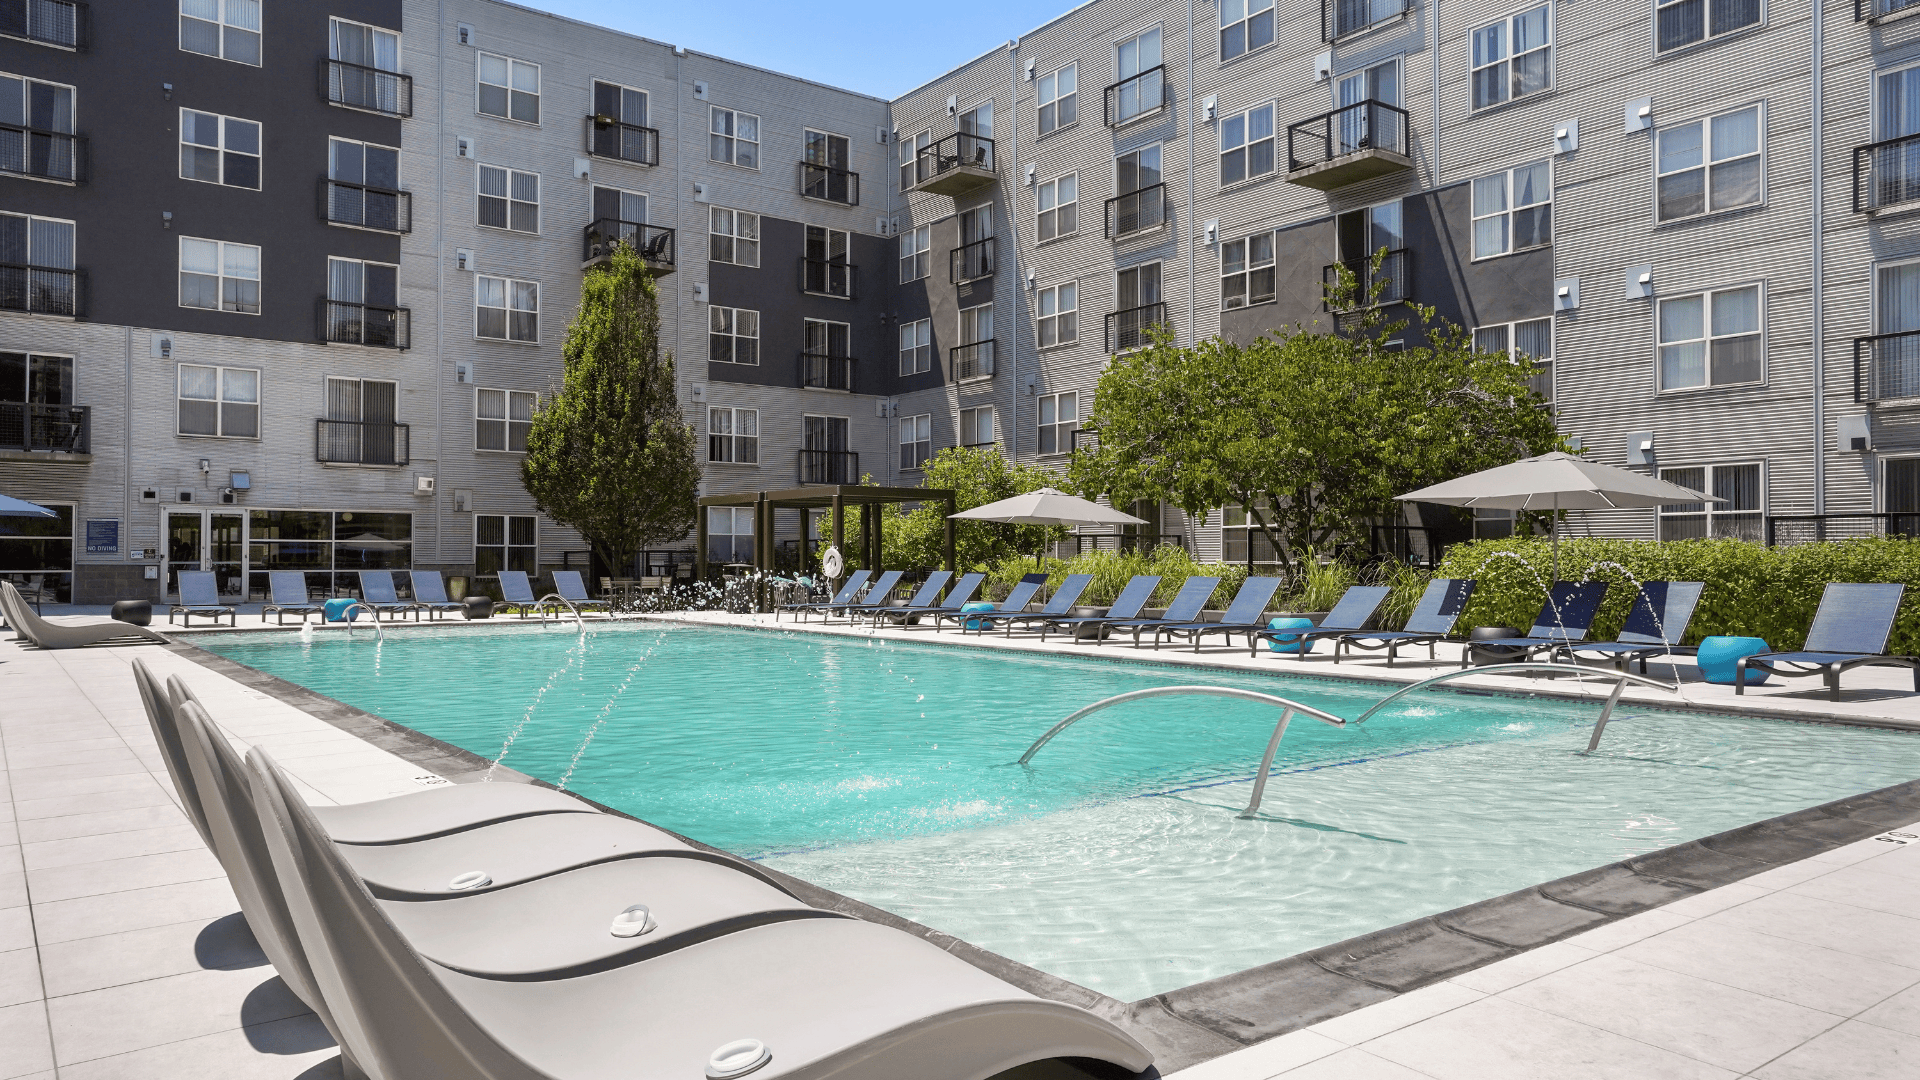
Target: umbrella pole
{"points": [[1553, 529]]}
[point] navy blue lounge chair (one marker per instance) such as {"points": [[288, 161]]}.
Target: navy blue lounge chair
{"points": [[1125, 606], [957, 596], [1067, 595], [1187, 605], [1432, 621], [1563, 619], [848, 590], [288, 588], [1849, 630], [876, 596], [377, 592], [1655, 625], [430, 592], [925, 597], [1017, 600], [1353, 612], [570, 587], [1243, 615]]}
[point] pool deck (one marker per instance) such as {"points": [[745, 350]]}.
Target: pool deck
{"points": [[122, 953]]}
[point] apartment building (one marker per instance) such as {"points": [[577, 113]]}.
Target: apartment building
{"points": [[285, 296]]}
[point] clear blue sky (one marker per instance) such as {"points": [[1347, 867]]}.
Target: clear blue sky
{"points": [[864, 45]]}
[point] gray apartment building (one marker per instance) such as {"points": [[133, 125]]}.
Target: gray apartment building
{"points": [[305, 327]]}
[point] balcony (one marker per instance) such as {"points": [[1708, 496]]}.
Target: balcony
{"points": [[1338, 18], [820, 371], [1137, 211], [1886, 367], [344, 323], [973, 360], [829, 467], [359, 206], [609, 138], [59, 429], [1374, 287], [1348, 145], [357, 442], [49, 22], [357, 86], [47, 155], [828, 277], [41, 290], [956, 165], [1875, 10], [1143, 95], [830, 184], [1886, 174], [653, 242], [1132, 328], [970, 261]]}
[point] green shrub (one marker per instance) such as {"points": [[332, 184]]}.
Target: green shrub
{"points": [[1322, 584], [1751, 591], [1407, 584]]}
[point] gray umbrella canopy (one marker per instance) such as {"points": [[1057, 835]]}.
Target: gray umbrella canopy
{"points": [[12, 507], [1047, 507]]}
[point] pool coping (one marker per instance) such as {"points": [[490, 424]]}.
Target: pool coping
{"points": [[1205, 1020]]}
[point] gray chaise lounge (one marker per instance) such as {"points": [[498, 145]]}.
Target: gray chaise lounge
{"points": [[50, 635], [430, 592], [200, 595], [288, 588]]}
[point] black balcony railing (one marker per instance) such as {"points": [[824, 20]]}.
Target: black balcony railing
{"points": [[360, 442], [970, 261], [50, 155], [609, 138], [653, 242], [833, 185], [1886, 174], [64, 428], [1126, 542], [829, 467], [358, 86], [1142, 95], [1364, 125], [821, 371], [1886, 367], [1384, 284], [973, 360], [952, 152], [1338, 18], [1083, 438], [828, 277], [1131, 329], [1879, 9], [50, 22], [1137, 211], [346, 323], [365, 207], [41, 290]]}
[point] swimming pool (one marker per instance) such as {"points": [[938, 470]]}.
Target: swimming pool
{"points": [[882, 770]]}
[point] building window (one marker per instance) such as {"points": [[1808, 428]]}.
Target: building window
{"points": [[47, 108], [360, 428], [1139, 201], [219, 276], [36, 379], [1683, 22], [502, 418], [1241, 539], [1059, 98], [915, 262], [976, 426], [1247, 272], [733, 335], [1744, 488], [916, 440], [219, 149], [1058, 419], [1059, 312], [1513, 57], [505, 542], [509, 199], [825, 269], [623, 105], [228, 29], [509, 88], [733, 236], [1246, 145], [367, 73], [1709, 165], [730, 534], [34, 246], [734, 139], [363, 304], [1245, 25], [916, 347], [912, 169], [1528, 342], [506, 309], [1712, 339], [733, 435], [366, 186], [1512, 211], [222, 402], [976, 324], [1058, 202], [1142, 86], [825, 168]]}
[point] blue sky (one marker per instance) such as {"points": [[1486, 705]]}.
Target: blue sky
{"points": [[861, 45]]}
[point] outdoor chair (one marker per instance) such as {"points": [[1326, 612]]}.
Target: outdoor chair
{"points": [[1655, 624], [1063, 600], [1432, 621], [1127, 605], [876, 596], [1354, 610], [1563, 619], [572, 589], [1017, 600], [928, 592], [1244, 615], [957, 598], [516, 594], [430, 593], [200, 595], [288, 591], [377, 592], [1186, 607], [849, 589], [1850, 630], [29, 626]]}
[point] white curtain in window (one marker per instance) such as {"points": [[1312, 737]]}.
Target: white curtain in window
{"points": [[346, 280]]}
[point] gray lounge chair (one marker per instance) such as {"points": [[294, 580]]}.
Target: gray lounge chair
{"points": [[1243, 615], [288, 588], [1127, 605], [200, 595], [1017, 600], [849, 591], [1563, 619], [1654, 627], [378, 593], [1353, 611], [957, 598], [49, 635], [822, 997], [875, 597], [1187, 605], [572, 589], [430, 592], [1060, 603], [1432, 621], [516, 593], [1850, 630]]}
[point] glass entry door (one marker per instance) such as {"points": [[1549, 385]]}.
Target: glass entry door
{"points": [[208, 540]]}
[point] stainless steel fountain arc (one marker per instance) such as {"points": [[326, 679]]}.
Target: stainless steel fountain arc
{"points": [[1620, 681], [579, 624], [379, 632]]}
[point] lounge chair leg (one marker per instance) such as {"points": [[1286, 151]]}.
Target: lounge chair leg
{"points": [[1740, 677]]}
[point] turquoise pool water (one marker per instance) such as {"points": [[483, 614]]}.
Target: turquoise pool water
{"points": [[1115, 859]]}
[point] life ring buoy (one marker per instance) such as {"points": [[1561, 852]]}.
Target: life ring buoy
{"points": [[832, 563]]}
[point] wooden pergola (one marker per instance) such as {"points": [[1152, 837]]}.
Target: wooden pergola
{"points": [[835, 496]]}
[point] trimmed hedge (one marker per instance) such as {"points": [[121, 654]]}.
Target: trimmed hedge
{"points": [[1752, 591]]}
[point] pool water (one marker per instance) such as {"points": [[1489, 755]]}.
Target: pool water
{"points": [[883, 770]]}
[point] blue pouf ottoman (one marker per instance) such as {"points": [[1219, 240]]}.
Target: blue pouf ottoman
{"points": [[1717, 654], [1291, 644], [977, 605], [336, 608]]}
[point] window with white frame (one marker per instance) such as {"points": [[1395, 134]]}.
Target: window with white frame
{"points": [[912, 170], [1245, 25], [915, 260], [363, 299], [916, 440], [1059, 98], [1247, 271], [1712, 338], [1513, 210], [1059, 314], [218, 149], [916, 347], [734, 138], [827, 269], [219, 276], [733, 236], [977, 426], [733, 435], [976, 324], [1242, 540], [46, 107], [41, 243], [1742, 485], [506, 309], [505, 542], [502, 418], [1679, 23], [1057, 418], [1246, 145], [733, 335], [1709, 165], [1058, 205], [219, 402], [1529, 342], [730, 534], [1513, 57], [508, 199], [509, 88], [227, 29], [1141, 89]]}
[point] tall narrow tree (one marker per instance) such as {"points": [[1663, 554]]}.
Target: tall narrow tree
{"points": [[610, 453]]}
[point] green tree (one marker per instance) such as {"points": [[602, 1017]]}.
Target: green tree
{"points": [[978, 475], [609, 453]]}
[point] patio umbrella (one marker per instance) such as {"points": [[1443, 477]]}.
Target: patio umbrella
{"points": [[1047, 507], [12, 507], [1556, 482]]}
